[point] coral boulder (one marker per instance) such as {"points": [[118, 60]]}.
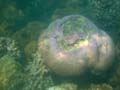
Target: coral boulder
{"points": [[73, 44]]}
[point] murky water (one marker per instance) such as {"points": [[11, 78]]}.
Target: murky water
{"points": [[27, 61]]}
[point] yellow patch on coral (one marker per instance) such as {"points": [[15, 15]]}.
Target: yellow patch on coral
{"points": [[81, 43]]}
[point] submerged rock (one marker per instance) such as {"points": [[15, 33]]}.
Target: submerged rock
{"points": [[73, 44]]}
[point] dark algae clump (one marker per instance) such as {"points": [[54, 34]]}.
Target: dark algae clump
{"points": [[59, 45]]}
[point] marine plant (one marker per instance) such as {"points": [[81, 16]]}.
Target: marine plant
{"points": [[11, 75], [9, 47], [64, 86], [100, 87], [37, 75]]}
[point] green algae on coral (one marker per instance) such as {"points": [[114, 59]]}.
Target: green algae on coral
{"points": [[68, 25]]}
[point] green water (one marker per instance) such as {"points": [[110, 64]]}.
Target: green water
{"points": [[22, 22]]}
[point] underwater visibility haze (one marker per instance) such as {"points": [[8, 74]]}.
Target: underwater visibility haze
{"points": [[59, 45]]}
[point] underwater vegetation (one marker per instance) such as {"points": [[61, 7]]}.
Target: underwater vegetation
{"points": [[64, 86], [23, 22], [100, 87], [10, 66], [9, 47], [37, 75], [10, 73]]}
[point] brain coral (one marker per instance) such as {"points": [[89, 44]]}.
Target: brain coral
{"points": [[73, 44]]}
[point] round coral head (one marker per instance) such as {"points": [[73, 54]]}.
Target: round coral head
{"points": [[73, 44]]}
